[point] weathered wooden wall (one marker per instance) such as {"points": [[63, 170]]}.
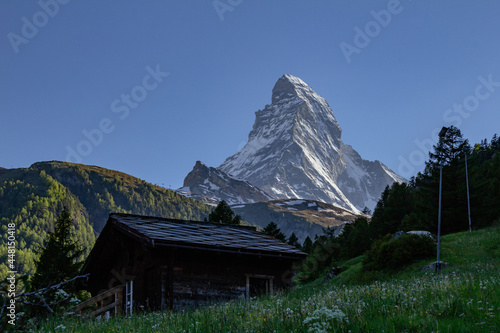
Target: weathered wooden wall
{"points": [[200, 278], [177, 278]]}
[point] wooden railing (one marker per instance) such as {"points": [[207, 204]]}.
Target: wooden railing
{"points": [[111, 299]]}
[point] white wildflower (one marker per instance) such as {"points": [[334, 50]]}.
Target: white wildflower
{"points": [[74, 300], [60, 328], [321, 319]]}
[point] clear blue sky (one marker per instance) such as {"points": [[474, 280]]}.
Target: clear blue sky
{"points": [[80, 66]]}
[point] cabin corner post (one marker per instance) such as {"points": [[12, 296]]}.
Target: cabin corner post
{"points": [[166, 285], [170, 281], [119, 300], [247, 287]]}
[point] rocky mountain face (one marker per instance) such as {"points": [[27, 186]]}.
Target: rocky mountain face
{"points": [[295, 150], [212, 185]]}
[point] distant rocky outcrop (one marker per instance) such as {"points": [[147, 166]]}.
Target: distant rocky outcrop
{"points": [[211, 185]]}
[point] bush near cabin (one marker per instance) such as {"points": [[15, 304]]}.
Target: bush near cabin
{"points": [[391, 254]]}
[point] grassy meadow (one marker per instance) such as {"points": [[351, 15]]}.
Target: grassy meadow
{"points": [[463, 297]]}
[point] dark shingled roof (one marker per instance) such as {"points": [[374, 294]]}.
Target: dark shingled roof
{"points": [[194, 234]]}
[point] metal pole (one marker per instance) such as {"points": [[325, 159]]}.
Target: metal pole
{"points": [[468, 197], [442, 134], [438, 263]]}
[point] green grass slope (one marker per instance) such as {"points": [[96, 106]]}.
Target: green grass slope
{"points": [[464, 297]]}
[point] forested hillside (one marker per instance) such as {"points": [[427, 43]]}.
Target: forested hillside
{"points": [[33, 197], [414, 205]]}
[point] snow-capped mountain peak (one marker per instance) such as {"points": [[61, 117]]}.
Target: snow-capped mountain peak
{"points": [[290, 86], [295, 151]]}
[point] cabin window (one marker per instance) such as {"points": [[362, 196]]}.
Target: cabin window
{"points": [[129, 297], [257, 285]]}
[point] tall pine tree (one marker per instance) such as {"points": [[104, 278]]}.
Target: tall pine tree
{"points": [[450, 152], [59, 259], [450, 149]]}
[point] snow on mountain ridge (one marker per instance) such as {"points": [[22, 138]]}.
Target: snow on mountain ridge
{"points": [[295, 151]]}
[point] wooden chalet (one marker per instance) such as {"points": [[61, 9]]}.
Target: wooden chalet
{"points": [[172, 264]]}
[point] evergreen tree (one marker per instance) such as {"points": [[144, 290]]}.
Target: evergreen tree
{"points": [[224, 214], [450, 148], [294, 241], [307, 246], [450, 152], [396, 202], [355, 238], [272, 230], [484, 181], [323, 254], [59, 259]]}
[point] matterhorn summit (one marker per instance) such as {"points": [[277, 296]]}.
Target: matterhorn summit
{"points": [[295, 150]]}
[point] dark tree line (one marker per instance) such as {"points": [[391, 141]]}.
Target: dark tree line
{"points": [[414, 205]]}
